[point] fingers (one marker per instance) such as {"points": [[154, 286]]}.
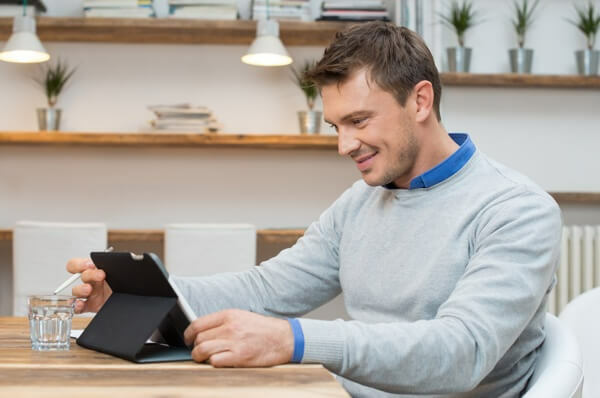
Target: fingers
{"points": [[78, 265], [207, 335], [223, 359], [207, 349], [79, 306], [82, 291], [93, 275], [202, 324], [91, 278]]}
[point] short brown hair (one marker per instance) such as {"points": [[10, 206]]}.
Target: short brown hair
{"points": [[396, 58]]}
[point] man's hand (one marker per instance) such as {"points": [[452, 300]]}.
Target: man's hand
{"points": [[240, 339], [94, 288]]}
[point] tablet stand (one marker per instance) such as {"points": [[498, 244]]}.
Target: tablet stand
{"points": [[126, 321]]}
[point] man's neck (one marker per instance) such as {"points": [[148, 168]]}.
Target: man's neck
{"points": [[435, 145]]}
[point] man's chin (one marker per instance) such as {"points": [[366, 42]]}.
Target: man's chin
{"points": [[372, 181]]}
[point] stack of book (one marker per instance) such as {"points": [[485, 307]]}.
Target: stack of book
{"points": [[183, 118], [204, 9], [298, 10], [354, 10], [118, 8]]}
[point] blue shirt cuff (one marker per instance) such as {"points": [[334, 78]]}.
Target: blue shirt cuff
{"points": [[298, 340]]}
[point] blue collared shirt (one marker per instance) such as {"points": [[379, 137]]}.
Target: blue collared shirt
{"points": [[448, 167]]}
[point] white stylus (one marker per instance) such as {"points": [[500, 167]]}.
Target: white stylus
{"points": [[73, 278]]}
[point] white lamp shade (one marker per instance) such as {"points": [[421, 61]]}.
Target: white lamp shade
{"points": [[267, 49], [23, 46]]}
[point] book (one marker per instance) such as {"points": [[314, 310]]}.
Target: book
{"points": [[182, 122], [184, 118], [354, 4], [300, 11], [286, 3], [110, 4], [118, 12], [227, 12], [179, 111], [366, 13], [201, 2], [210, 128]]}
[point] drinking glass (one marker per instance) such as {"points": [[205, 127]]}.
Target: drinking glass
{"points": [[50, 321]]}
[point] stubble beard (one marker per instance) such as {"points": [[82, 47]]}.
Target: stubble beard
{"points": [[403, 163]]}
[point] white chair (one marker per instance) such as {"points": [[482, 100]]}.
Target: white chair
{"points": [[40, 254], [582, 316], [559, 368], [205, 249]]}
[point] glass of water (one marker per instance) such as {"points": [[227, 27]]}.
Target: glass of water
{"points": [[50, 322]]}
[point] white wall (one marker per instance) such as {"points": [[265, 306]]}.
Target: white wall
{"points": [[549, 134], [552, 37]]}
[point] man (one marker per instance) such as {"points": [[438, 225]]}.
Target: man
{"points": [[444, 257]]}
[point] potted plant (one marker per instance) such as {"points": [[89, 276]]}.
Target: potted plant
{"points": [[521, 58], [310, 121], [588, 22], [460, 18], [53, 79]]}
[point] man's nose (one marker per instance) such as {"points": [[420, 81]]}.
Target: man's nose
{"points": [[347, 143]]}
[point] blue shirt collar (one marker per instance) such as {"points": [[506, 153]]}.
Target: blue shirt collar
{"points": [[448, 167]]}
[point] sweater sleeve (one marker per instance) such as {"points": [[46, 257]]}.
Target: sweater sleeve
{"points": [[515, 253], [296, 281]]}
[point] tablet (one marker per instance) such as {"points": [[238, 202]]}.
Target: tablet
{"points": [[144, 304], [140, 274]]}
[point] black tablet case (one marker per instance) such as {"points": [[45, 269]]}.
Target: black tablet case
{"points": [[142, 302]]}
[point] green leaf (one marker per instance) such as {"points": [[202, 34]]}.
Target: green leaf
{"points": [[53, 79], [308, 87], [588, 22], [461, 17], [523, 18]]}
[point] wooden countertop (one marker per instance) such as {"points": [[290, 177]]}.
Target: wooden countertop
{"points": [[85, 373]]}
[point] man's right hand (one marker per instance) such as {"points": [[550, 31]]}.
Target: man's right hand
{"points": [[94, 287]]}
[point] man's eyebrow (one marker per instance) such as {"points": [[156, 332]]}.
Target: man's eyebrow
{"points": [[352, 115], [356, 114]]}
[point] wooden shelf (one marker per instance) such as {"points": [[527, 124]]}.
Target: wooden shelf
{"points": [[157, 235], [173, 31], [589, 198], [516, 80], [242, 32], [171, 140]]}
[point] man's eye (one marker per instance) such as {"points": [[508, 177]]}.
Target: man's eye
{"points": [[358, 121]]}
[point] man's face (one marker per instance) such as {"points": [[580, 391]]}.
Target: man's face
{"points": [[373, 129]]}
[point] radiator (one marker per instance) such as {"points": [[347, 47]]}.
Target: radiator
{"points": [[579, 268]]}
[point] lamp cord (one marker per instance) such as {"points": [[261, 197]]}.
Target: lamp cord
{"points": [[267, 9], [24, 7]]}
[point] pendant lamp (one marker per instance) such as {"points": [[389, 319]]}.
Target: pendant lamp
{"points": [[267, 49], [23, 46]]}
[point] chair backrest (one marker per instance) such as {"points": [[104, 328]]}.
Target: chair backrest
{"points": [[40, 254], [205, 249], [582, 316], [559, 367]]}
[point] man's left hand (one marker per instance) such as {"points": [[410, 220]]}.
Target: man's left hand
{"points": [[240, 339]]}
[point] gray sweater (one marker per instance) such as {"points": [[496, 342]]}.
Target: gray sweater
{"points": [[446, 285]]}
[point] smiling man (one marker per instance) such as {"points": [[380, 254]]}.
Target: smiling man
{"points": [[444, 257]]}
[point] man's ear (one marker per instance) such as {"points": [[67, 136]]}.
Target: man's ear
{"points": [[423, 92]]}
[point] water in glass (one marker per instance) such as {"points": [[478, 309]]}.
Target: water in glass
{"points": [[50, 322]]}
